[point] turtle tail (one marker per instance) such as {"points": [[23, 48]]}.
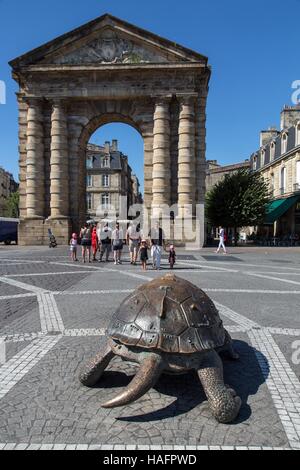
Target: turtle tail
{"points": [[147, 375]]}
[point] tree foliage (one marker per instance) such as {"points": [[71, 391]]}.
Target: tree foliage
{"points": [[238, 200], [12, 205]]}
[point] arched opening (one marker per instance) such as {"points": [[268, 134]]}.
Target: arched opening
{"points": [[272, 151], [112, 161]]}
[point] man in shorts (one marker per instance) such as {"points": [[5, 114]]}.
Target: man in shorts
{"points": [[104, 236], [133, 237], [117, 243]]}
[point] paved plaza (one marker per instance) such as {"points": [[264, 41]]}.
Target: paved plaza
{"points": [[53, 316]]}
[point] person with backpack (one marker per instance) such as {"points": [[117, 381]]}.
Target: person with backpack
{"points": [[86, 241]]}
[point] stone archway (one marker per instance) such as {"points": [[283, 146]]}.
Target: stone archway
{"points": [[114, 112], [107, 71]]}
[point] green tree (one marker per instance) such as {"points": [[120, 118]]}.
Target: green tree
{"points": [[238, 200], [12, 205]]}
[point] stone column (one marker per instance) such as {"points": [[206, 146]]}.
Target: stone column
{"points": [[161, 153], [201, 164], [148, 169], [35, 179], [59, 174], [186, 152], [22, 153]]}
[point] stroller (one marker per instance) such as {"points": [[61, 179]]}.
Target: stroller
{"points": [[52, 239]]}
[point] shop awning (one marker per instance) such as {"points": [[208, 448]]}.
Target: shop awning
{"points": [[279, 207]]}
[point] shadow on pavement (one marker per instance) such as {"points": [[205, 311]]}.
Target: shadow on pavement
{"points": [[244, 375]]}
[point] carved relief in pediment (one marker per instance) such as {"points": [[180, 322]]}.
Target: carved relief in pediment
{"points": [[110, 48]]}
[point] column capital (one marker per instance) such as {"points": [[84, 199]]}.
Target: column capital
{"points": [[31, 100], [163, 99], [58, 103]]}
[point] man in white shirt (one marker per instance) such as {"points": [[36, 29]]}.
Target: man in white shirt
{"points": [[222, 241], [117, 243]]}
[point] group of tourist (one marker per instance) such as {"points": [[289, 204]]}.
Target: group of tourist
{"points": [[102, 239]]}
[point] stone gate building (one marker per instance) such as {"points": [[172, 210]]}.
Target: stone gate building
{"points": [[107, 71]]}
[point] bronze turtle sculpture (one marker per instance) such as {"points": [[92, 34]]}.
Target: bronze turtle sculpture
{"points": [[168, 326]]}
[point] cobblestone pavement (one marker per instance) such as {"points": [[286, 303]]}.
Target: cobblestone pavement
{"points": [[53, 316]]}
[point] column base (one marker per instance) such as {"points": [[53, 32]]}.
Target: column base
{"points": [[31, 231], [61, 228], [189, 232]]}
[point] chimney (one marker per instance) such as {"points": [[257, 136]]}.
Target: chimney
{"points": [[114, 145], [290, 115], [107, 147], [267, 136]]}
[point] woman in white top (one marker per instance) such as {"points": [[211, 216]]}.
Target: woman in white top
{"points": [[117, 244]]}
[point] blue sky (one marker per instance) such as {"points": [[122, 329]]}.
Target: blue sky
{"points": [[252, 47]]}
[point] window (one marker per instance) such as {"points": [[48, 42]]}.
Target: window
{"points": [[105, 181], [89, 201], [298, 175], [105, 201], [89, 180], [284, 143], [254, 162], [272, 151], [105, 162], [89, 162], [283, 180], [262, 157], [298, 134], [272, 183]]}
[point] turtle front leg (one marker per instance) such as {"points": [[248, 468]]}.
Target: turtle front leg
{"points": [[224, 403], [93, 370]]}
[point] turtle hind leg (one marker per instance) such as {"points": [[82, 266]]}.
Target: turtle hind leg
{"points": [[93, 370], [223, 402]]}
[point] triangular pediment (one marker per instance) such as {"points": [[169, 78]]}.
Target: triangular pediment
{"points": [[108, 40], [108, 46]]}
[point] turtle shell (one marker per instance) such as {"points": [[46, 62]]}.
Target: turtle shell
{"points": [[168, 314]]}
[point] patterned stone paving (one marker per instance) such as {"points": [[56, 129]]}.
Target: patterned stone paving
{"points": [[53, 316]]}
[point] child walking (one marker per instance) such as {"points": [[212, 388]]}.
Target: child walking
{"points": [[172, 256], [144, 254], [73, 247]]}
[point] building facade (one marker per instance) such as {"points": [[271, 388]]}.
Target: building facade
{"points": [[109, 71], [109, 177], [7, 186], [216, 172], [278, 160]]}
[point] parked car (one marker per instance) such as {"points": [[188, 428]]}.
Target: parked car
{"points": [[8, 230]]}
